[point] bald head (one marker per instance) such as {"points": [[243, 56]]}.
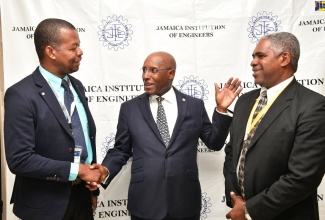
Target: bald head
{"points": [[158, 72], [165, 59]]}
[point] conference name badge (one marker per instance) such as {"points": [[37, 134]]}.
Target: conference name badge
{"points": [[77, 154]]}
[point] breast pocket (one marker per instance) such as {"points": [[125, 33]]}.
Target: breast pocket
{"points": [[280, 134]]}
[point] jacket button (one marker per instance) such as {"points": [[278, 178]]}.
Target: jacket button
{"points": [[166, 156], [70, 150]]}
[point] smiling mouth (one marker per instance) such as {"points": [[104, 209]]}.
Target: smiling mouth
{"points": [[148, 85], [256, 70]]}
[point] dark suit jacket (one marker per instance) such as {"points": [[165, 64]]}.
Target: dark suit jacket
{"points": [[164, 180], [285, 161], [39, 147]]}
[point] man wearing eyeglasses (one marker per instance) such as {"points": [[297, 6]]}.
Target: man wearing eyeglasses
{"points": [[160, 129]]}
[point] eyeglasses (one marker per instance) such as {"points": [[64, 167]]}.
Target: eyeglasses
{"points": [[153, 70]]}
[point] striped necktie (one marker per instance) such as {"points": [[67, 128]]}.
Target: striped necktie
{"points": [[261, 104]]}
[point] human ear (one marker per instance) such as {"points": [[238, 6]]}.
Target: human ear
{"points": [[285, 59], [50, 52]]}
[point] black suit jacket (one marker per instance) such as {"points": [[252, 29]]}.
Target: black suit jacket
{"points": [[40, 147], [164, 180], [285, 161]]}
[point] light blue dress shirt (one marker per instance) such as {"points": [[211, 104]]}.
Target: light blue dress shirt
{"points": [[55, 82]]}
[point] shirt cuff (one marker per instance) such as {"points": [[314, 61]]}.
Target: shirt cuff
{"points": [[228, 113], [247, 216], [106, 179], [73, 171]]}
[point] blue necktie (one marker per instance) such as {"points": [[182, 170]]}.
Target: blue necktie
{"points": [[75, 126]]}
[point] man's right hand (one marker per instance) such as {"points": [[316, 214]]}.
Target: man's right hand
{"points": [[104, 173], [89, 175]]}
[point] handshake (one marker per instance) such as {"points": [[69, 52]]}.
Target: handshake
{"points": [[93, 175]]}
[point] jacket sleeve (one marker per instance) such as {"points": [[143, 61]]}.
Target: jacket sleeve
{"points": [[214, 134], [20, 127], [118, 156], [229, 171]]}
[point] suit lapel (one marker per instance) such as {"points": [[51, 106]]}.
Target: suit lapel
{"points": [[281, 103], [144, 106], [78, 88], [182, 106], [48, 96], [245, 110], [143, 103]]}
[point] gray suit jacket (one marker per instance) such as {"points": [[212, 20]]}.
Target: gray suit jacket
{"points": [[164, 180], [285, 162]]}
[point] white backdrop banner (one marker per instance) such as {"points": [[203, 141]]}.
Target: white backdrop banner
{"points": [[211, 40]]}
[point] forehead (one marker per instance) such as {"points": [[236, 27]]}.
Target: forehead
{"points": [[263, 46], [69, 35], [154, 61]]}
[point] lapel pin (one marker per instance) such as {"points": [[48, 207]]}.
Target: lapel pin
{"points": [[43, 93], [183, 99]]}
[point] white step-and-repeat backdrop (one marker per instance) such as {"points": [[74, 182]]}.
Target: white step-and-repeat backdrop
{"points": [[210, 39]]}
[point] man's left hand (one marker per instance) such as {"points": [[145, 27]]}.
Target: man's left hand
{"points": [[238, 210]]}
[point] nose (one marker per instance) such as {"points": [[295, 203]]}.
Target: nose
{"points": [[254, 62], [146, 75], [79, 51]]}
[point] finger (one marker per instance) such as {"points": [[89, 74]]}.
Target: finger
{"points": [[229, 81], [228, 215], [236, 83], [217, 88], [233, 196], [238, 91], [94, 166]]}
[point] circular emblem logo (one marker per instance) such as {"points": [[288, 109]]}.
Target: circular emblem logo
{"points": [[108, 144], [263, 24], [115, 32], [205, 209], [193, 86]]}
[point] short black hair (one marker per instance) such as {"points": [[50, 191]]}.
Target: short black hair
{"points": [[47, 33]]}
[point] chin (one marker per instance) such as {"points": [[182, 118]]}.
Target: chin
{"points": [[149, 92]]}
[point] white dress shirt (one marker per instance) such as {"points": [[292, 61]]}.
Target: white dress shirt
{"points": [[170, 107]]}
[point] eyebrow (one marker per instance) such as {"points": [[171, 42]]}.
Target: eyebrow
{"points": [[258, 53]]}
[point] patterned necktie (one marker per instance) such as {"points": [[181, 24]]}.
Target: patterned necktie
{"points": [[261, 103], [162, 122], [75, 126]]}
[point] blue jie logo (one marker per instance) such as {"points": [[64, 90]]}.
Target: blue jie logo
{"points": [[193, 86], [108, 144], [263, 24], [115, 32], [205, 205]]}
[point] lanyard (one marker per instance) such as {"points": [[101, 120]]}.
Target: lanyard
{"points": [[251, 123], [62, 105]]}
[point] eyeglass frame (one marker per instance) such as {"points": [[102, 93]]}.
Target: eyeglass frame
{"points": [[153, 68]]}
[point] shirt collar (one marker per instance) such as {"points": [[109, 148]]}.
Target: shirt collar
{"points": [[53, 79], [168, 96], [271, 92]]}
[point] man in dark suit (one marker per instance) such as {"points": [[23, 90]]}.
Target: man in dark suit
{"points": [[164, 174], [41, 149], [274, 172]]}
